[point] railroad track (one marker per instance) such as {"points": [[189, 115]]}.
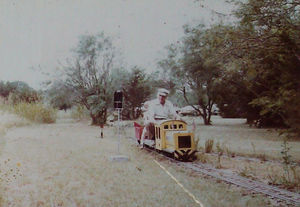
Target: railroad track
{"points": [[251, 185], [254, 186]]}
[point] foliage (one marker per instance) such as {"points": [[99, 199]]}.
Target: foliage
{"points": [[264, 48], [290, 178], [193, 70], [35, 112], [79, 112], [89, 75], [136, 90], [60, 96], [18, 91], [250, 68]]}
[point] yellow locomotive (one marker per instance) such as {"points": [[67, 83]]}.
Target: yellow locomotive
{"points": [[172, 137]]}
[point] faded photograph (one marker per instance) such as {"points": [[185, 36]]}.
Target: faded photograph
{"points": [[133, 103]]}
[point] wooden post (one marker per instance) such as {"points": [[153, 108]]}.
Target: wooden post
{"points": [[101, 128]]}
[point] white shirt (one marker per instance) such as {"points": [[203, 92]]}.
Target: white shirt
{"points": [[158, 111]]}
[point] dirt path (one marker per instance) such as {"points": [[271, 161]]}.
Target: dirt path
{"points": [[67, 164]]}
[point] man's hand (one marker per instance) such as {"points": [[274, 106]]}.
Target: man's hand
{"points": [[177, 117]]}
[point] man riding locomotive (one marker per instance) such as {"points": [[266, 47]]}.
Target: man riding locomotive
{"points": [[157, 110]]}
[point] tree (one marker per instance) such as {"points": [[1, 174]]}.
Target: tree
{"points": [[265, 44], [60, 95], [136, 91], [18, 91], [88, 75], [194, 71]]}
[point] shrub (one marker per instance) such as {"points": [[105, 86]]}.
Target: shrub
{"points": [[35, 112], [79, 112]]}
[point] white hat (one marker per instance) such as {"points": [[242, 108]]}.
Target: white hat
{"points": [[162, 92]]}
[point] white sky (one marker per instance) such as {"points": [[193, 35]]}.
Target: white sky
{"points": [[40, 33]]}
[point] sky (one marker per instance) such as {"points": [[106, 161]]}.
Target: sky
{"points": [[37, 35]]}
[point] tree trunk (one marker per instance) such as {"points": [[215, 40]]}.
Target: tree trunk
{"points": [[205, 116], [94, 119], [206, 120], [99, 118]]}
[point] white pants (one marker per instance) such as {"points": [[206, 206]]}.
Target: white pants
{"points": [[146, 131]]}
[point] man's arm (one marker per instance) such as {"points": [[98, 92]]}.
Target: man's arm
{"points": [[150, 114], [173, 112]]}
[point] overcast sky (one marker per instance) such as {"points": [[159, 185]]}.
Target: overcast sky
{"points": [[40, 33]]}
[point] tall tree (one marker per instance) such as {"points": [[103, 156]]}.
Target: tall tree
{"points": [[193, 70], [88, 74], [136, 91], [266, 45]]}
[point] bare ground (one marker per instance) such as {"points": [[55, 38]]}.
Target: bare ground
{"points": [[68, 164]]}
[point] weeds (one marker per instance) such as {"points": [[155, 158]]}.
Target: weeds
{"points": [[244, 172], [197, 142], [35, 112], [262, 157], [202, 157], [281, 179], [229, 152], [286, 158], [247, 172], [220, 151], [79, 113], [290, 177], [209, 145], [253, 147]]}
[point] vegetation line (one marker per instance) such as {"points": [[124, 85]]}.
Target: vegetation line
{"points": [[188, 192]]}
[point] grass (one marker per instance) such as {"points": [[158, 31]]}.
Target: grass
{"points": [[79, 113], [74, 168], [250, 152], [240, 138], [8, 121], [35, 112], [208, 145]]}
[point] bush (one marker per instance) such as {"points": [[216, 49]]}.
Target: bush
{"points": [[79, 113], [35, 112]]}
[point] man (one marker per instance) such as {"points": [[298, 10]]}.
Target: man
{"points": [[158, 109]]}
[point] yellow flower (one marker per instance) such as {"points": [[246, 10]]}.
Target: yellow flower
{"points": [[19, 164]]}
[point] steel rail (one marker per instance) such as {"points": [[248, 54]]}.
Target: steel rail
{"points": [[256, 186], [252, 185]]}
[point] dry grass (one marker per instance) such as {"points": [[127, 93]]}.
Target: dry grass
{"points": [[8, 121], [250, 152], [73, 168], [35, 112], [245, 141], [79, 113], [208, 146]]}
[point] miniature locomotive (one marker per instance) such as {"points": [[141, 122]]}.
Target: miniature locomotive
{"points": [[171, 137]]}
